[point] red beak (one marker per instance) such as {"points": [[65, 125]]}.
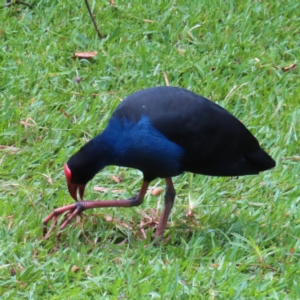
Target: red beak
{"points": [[73, 187]]}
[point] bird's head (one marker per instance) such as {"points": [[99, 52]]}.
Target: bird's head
{"points": [[72, 186], [84, 165]]}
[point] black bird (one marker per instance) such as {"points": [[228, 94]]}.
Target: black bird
{"points": [[163, 132]]}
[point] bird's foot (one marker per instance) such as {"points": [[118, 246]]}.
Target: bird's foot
{"points": [[71, 212]]}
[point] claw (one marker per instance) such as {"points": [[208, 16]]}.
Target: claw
{"points": [[74, 210]]}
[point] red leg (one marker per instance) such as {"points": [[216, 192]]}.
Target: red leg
{"points": [[78, 207], [169, 201]]}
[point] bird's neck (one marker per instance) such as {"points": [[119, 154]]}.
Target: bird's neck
{"points": [[93, 157]]}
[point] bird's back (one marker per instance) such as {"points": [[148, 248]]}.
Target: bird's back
{"points": [[213, 140]]}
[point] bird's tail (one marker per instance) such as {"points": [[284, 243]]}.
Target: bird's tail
{"points": [[263, 160]]}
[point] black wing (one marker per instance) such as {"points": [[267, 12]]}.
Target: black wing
{"points": [[215, 142]]}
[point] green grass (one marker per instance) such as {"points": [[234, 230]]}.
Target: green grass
{"points": [[241, 240]]}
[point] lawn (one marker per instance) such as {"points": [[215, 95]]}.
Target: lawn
{"points": [[227, 238]]}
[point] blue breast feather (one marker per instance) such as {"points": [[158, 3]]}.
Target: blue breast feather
{"points": [[141, 146]]}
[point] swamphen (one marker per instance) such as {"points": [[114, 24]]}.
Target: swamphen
{"points": [[163, 132]]}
